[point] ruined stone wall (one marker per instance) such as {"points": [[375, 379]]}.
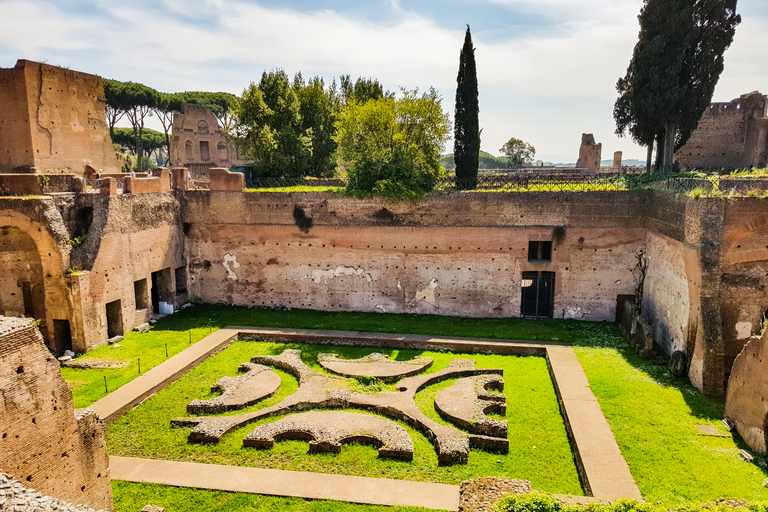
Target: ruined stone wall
{"points": [[15, 134], [744, 286], [44, 442], [449, 255], [131, 237], [667, 293], [730, 135], [196, 124], [53, 119], [33, 228]]}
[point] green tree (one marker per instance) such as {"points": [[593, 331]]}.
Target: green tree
{"points": [[517, 152], [151, 140], [318, 107], [364, 89], [675, 67], [392, 147], [115, 108], [266, 122], [466, 146], [137, 101]]}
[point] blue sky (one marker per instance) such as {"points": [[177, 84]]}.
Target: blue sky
{"points": [[546, 68]]}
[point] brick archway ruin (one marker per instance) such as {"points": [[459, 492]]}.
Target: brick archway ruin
{"points": [[48, 298]]}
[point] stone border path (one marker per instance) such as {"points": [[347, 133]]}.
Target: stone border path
{"points": [[603, 470], [117, 403], [275, 482]]}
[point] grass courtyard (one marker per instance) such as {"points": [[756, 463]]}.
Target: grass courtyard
{"points": [[652, 414]]}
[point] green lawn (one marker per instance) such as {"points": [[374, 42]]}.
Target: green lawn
{"points": [[652, 414], [539, 449], [130, 497]]}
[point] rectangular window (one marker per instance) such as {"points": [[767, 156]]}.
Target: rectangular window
{"points": [[540, 251], [205, 153]]}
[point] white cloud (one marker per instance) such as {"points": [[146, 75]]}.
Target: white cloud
{"points": [[546, 85]]}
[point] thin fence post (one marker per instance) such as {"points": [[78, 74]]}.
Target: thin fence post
{"points": [[139, 366], [106, 390]]}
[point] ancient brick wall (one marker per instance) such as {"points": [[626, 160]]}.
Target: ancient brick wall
{"points": [[44, 442], [196, 139], [730, 135], [131, 237], [53, 119], [668, 293], [746, 402], [450, 255]]}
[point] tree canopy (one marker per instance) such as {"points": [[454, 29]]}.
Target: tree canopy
{"points": [[466, 146], [517, 152], [392, 147], [674, 69]]}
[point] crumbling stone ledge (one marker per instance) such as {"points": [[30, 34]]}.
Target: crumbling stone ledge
{"points": [[17, 498]]}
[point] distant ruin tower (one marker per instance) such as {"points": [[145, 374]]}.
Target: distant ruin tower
{"points": [[617, 159], [590, 153]]}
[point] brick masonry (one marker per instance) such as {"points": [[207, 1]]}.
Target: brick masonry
{"points": [[44, 442]]}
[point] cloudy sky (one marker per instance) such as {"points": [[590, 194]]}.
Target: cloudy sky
{"points": [[546, 68]]}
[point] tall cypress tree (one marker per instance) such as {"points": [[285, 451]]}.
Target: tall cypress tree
{"points": [[466, 145], [676, 64]]}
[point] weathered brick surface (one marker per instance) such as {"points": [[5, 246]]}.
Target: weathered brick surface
{"points": [[53, 120], [43, 441], [730, 135]]}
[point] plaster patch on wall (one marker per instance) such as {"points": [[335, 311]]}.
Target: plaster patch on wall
{"points": [[381, 308], [399, 286], [231, 259], [576, 312], [428, 293], [325, 276], [743, 330]]}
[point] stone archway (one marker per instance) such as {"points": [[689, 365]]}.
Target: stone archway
{"points": [[32, 281]]}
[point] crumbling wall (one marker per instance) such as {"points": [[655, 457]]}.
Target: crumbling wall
{"points": [[196, 124], [746, 402], [730, 135], [53, 119], [131, 237], [744, 281], [45, 443], [449, 255], [590, 153], [667, 293]]}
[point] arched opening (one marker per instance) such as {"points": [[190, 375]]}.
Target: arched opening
{"points": [[22, 290], [202, 128]]}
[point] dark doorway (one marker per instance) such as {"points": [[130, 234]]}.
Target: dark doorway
{"points": [[538, 294], [62, 335], [181, 280], [620, 300], [205, 153], [29, 305], [140, 294], [161, 288], [114, 319]]}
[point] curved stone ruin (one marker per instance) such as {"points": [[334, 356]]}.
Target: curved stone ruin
{"points": [[258, 383], [374, 365], [467, 401], [320, 391], [328, 430]]}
